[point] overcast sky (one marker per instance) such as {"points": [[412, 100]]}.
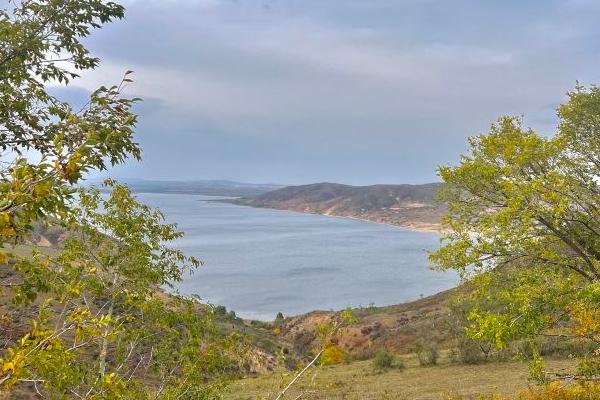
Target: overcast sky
{"points": [[352, 91]]}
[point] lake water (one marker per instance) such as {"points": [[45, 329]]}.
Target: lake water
{"points": [[259, 262]]}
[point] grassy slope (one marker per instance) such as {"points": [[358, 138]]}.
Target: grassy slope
{"points": [[359, 380], [398, 328], [395, 327]]}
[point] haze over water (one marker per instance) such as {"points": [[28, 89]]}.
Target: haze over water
{"points": [[259, 262]]}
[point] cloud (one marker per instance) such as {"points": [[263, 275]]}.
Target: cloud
{"points": [[382, 81]]}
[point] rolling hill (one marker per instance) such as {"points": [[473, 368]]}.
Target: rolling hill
{"points": [[409, 206], [199, 187]]}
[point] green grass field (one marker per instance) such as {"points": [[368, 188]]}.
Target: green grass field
{"points": [[359, 380]]}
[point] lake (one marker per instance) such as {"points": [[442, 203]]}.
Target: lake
{"points": [[259, 262]]}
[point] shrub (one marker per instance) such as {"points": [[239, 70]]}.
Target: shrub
{"points": [[231, 315], [427, 353], [552, 391], [468, 351], [364, 354], [560, 347], [333, 355], [556, 391], [221, 313], [385, 360], [279, 318], [260, 324], [220, 310]]}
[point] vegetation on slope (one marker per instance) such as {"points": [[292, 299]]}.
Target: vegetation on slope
{"points": [[360, 380], [531, 202], [87, 320], [523, 226], [522, 219]]}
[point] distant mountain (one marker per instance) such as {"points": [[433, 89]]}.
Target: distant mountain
{"points": [[409, 206], [201, 187]]}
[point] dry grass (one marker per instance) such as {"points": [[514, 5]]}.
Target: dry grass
{"points": [[360, 381]]}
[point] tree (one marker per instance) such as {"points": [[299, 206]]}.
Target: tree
{"points": [[40, 42], [325, 334], [97, 324], [103, 329], [279, 318], [524, 219]]}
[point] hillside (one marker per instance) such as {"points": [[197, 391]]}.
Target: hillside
{"points": [[408, 206], [398, 328]]}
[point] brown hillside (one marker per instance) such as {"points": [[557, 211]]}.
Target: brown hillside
{"points": [[409, 206]]}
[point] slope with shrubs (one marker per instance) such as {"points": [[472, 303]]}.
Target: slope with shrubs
{"points": [[86, 320], [362, 380]]}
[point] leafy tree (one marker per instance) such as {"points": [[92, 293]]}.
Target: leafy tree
{"points": [[524, 219], [102, 328], [96, 323], [279, 318], [326, 336], [40, 42]]}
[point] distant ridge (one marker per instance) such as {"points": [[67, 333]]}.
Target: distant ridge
{"points": [[409, 206], [223, 188]]}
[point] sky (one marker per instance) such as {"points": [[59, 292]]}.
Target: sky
{"points": [[350, 91]]}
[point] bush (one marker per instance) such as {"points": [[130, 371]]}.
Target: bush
{"points": [[427, 353], [364, 354], [468, 351], [333, 355], [560, 347], [279, 318], [385, 360], [220, 310], [556, 391], [260, 324], [552, 391]]}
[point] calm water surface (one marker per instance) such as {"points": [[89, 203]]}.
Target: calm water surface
{"points": [[259, 262]]}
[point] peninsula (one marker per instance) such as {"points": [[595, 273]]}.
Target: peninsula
{"points": [[413, 207]]}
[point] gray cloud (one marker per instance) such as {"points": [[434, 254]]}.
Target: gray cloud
{"points": [[347, 90]]}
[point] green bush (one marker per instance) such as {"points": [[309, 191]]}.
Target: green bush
{"points": [[279, 318], [260, 324], [560, 347], [468, 351], [385, 360], [220, 310], [427, 353]]}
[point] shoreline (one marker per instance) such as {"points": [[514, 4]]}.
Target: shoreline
{"points": [[425, 228], [413, 228]]}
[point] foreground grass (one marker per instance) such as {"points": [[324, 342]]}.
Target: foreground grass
{"points": [[359, 380]]}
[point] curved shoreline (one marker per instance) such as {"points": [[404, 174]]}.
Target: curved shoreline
{"points": [[413, 228], [422, 228]]}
